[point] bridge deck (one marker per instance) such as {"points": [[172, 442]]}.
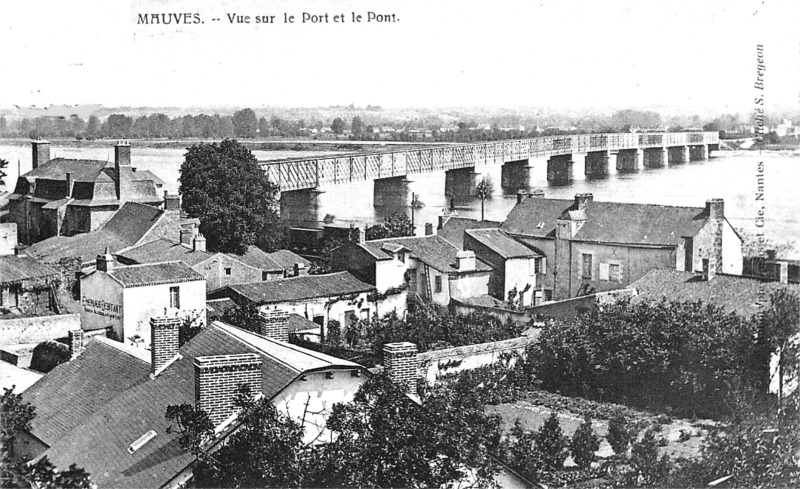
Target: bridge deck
{"points": [[322, 171]]}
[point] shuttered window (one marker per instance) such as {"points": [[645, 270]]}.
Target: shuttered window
{"points": [[586, 269]]}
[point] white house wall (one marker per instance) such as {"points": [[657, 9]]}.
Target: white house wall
{"points": [[102, 303], [389, 273], [732, 257], [142, 303], [519, 274]]}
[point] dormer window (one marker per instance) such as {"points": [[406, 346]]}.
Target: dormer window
{"points": [[401, 257], [540, 225]]}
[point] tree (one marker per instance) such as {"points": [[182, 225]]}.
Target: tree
{"points": [[265, 451], [780, 329], [357, 126], [523, 453], [584, 443], [337, 126], [193, 425], [648, 468], [93, 127], [484, 190], [3, 174], [397, 225], [552, 443], [245, 123], [223, 186], [383, 439]]}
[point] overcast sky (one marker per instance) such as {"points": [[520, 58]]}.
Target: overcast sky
{"points": [[564, 54]]}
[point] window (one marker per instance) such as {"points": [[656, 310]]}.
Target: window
{"points": [[437, 283], [586, 269], [401, 257], [175, 297], [615, 272], [537, 265], [227, 270], [264, 276]]}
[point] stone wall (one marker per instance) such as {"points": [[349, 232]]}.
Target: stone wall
{"points": [[37, 329]]}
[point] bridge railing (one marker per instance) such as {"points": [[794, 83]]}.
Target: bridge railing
{"points": [[321, 171]]}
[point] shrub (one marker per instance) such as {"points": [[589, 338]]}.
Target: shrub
{"points": [[650, 470], [48, 355], [584, 443], [619, 434], [523, 453], [552, 443]]}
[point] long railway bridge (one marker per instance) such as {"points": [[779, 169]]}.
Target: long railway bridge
{"points": [[301, 180]]}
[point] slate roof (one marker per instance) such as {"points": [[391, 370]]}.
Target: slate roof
{"points": [[286, 259], [154, 274], [18, 378], [733, 293], [608, 222], [500, 243], [453, 229], [300, 288], [73, 391], [164, 249], [80, 170], [433, 250], [100, 444], [131, 223], [15, 269]]}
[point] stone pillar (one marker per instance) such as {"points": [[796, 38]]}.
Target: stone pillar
{"points": [[559, 168], [678, 155], [301, 205], [698, 152], [461, 182], [597, 164], [515, 175], [391, 192], [655, 157], [629, 160]]}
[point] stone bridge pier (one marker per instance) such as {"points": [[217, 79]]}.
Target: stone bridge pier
{"points": [[597, 164], [460, 182], [629, 160], [655, 158], [516, 175], [559, 169], [301, 205], [678, 155], [391, 192], [698, 152]]}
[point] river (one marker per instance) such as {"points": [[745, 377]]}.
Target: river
{"points": [[732, 176]]}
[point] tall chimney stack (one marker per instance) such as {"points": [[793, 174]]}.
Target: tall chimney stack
{"points": [[199, 243], [521, 196], [217, 379], [274, 325], [122, 165], [715, 208], [105, 262], [465, 261], [75, 343], [400, 362], [41, 152], [164, 341], [428, 229]]}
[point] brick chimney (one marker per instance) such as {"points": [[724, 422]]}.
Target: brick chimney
{"points": [[428, 229], [521, 196], [105, 262], [172, 202], [217, 378], [715, 208], [300, 269], [581, 200], [199, 243], [75, 343], [362, 234], [400, 362], [465, 261], [40, 152], [164, 341], [187, 234], [122, 165], [274, 325]]}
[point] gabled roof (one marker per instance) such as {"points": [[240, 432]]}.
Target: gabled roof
{"points": [[433, 250], [15, 269], [500, 243], [453, 229], [100, 443], [154, 274], [73, 391], [300, 288], [164, 249], [128, 226], [79, 169], [286, 259], [733, 293], [608, 222]]}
